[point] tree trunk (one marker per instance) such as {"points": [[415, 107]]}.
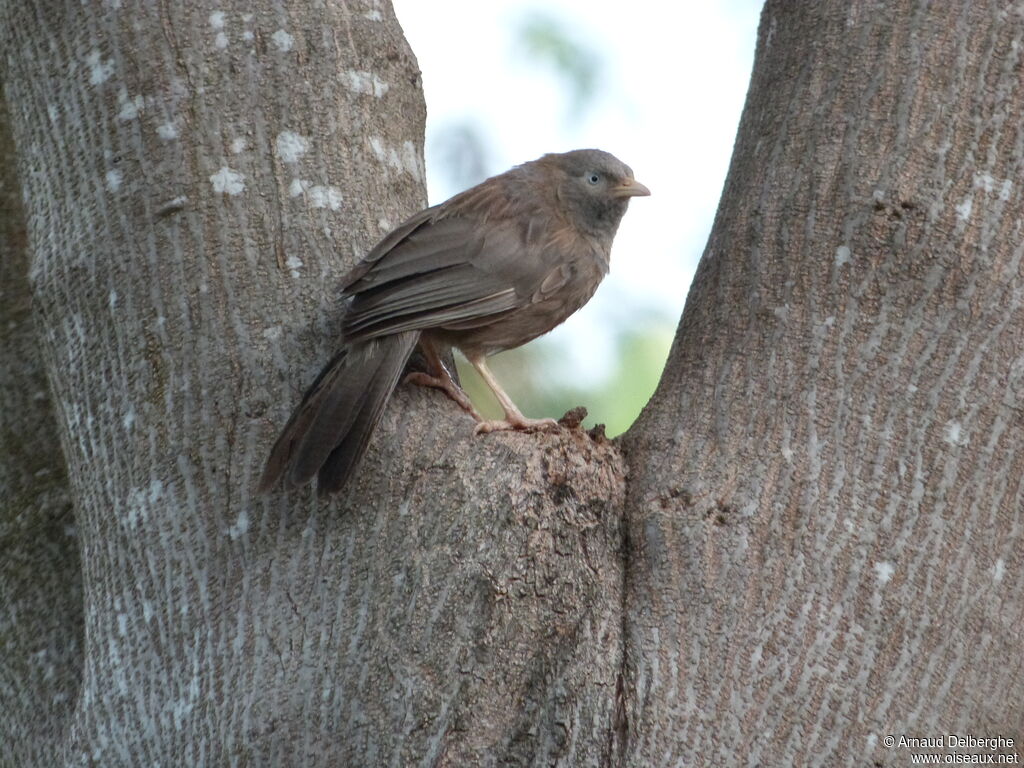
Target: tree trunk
{"points": [[809, 541], [40, 571], [825, 501]]}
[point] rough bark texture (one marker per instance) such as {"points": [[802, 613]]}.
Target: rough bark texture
{"points": [[197, 177], [40, 572], [825, 511], [815, 539]]}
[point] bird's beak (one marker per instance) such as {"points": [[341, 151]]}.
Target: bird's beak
{"points": [[630, 188]]}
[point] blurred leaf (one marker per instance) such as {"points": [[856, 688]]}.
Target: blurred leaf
{"points": [[616, 401], [549, 42]]}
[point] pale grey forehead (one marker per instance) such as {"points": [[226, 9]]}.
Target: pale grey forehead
{"points": [[583, 160]]}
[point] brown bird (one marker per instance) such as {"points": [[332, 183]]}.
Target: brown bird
{"points": [[488, 270]]}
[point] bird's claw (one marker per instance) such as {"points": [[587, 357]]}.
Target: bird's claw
{"points": [[446, 385], [522, 424]]}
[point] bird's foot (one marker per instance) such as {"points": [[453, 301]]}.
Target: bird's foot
{"points": [[449, 387], [520, 423]]}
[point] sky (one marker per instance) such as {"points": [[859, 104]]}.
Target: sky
{"points": [[667, 102]]}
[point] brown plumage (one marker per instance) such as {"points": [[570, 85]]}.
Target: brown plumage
{"points": [[488, 270]]}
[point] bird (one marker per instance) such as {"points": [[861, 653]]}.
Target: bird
{"points": [[488, 270]]}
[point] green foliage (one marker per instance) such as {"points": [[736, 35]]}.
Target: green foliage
{"points": [[615, 401]]}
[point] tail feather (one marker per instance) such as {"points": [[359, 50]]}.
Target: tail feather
{"points": [[281, 455], [330, 429], [337, 409], [342, 461]]}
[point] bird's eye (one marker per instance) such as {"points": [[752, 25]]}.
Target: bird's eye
{"points": [[594, 178]]}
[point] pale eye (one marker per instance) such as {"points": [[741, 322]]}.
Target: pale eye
{"points": [[593, 178]]}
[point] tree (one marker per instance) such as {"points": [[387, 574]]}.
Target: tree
{"points": [[810, 540]]}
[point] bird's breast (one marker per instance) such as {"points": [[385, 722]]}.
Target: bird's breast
{"points": [[564, 290]]}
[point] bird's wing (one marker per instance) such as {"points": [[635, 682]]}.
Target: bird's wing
{"points": [[449, 270], [387, 245]]}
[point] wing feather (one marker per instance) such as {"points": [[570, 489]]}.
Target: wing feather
{"points": [[458, 265], [442, 244]]}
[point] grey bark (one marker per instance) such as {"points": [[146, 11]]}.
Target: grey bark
{"points": [[825, 505], [809, 540], [197, 179], [40, 571]]}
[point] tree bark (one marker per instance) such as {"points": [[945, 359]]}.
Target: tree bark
{"points": [[810, 539], [825, 505], [40, 572], [197, 180]]}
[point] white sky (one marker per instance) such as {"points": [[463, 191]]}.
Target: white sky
{"points": [[675, 77]]}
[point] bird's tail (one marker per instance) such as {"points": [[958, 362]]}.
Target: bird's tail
{"points": [[330, 429]]}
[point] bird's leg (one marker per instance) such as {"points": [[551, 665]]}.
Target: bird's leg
{"points": [[514, 418], [441, 379]]}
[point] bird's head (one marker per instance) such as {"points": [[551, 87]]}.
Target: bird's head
{"points": [[594, 189]]}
